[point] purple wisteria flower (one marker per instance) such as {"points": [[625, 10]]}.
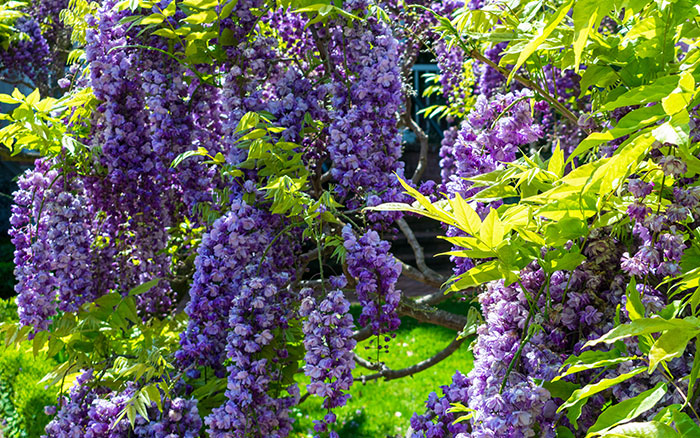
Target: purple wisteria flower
{"points": [[376, 271]]}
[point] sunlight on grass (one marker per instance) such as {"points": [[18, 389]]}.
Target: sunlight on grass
{"points": [[381, 409]]}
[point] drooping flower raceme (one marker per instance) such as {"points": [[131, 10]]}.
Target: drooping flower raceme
{"points": [[376, 270], [329, 345], [365, 145], [229, 252]]}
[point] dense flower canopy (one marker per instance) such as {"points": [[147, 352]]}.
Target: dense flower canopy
{"points": [[221, 182]]}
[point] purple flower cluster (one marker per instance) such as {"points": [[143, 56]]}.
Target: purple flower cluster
{"points": [[104, 411], [293, 31], [661, 243], [35, 284], [444, 424], [451, 62], [292, 97], [261, 311], [52, 232], [365, 145], [179, 419], [198, 181], [229, 252], [489, 80], [133, 169], [26, 57], [94, 412], [121, 125], [72, 420], [329, 344], [521, 407], [251, 63], [69, 235], [489, 135], [376, 272], [168, 120]]}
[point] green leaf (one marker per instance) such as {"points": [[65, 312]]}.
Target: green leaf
{"points": [[564, 432], [492, 230], [33, 97], [624, 162], [143, 288], [568, 228], [640, 327], [560, 389], [600, 76], [631, 122], [587, 15], [627, 410], [131, 414], [180, 158], [676, 130], [685, 425], [465, 215], [651, 429], [227, 9], [39, 341], [579, 397], [536, 42], [652, 92], [169, 11], [477, 275], [593, 360], [6, 98], [575, 207], [206, 16], [669, 345], [556, 163], [248, 121], [665, 414], [562, 260], [156, 18], [109, 301], [634, 306], [694, 371], [254, 134], [691, 160], [165, 33], [675, 102]]}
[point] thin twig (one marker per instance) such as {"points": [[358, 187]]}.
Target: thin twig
{"points": [[364, 363], [422, 139], [417, 250], [531, 85], [389, 374]]}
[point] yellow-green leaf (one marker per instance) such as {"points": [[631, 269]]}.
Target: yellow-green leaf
{"points": [[535, 43]]}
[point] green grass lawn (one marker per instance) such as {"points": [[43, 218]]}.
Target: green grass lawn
{"points": [[380, 409]]}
